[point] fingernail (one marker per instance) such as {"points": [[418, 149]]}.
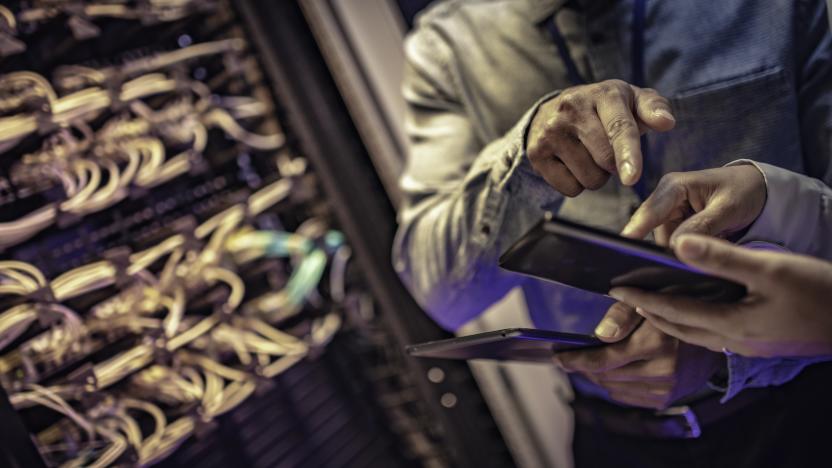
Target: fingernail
{"points": [[630, 227], [606, 329], [663, 113], [641, 311], [616, 294], [691, 247], [627, 171]]}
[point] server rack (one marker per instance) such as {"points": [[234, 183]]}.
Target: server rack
{"points": [[360, 403]]}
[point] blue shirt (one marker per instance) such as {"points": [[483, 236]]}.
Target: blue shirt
{"points": [[746, 79]]}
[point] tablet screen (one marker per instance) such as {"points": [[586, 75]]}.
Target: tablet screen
{"points": [[595, 260]]}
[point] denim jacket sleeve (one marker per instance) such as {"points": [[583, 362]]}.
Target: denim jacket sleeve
{"points": [[464, 199]]}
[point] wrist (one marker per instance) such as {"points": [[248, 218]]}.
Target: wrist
{"points": [[538, 122], [751, 197]]}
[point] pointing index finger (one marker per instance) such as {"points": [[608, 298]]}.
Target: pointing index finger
{"points": [[616, 114], [656, 210]]}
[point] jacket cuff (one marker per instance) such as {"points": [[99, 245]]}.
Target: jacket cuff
{"points": [[529, 196], [521, 179], [745, 372]]}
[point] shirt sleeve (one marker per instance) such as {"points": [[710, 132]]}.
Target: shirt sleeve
{"points": [[465, 199], [797, 214], [745, 372]]}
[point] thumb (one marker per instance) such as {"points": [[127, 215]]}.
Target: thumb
{"points": [[721, 258], [619, 321], [653, 110]]}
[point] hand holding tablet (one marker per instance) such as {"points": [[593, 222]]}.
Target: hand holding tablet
{"points": [[586, 258]]}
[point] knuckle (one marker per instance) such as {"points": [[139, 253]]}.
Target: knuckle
{"points": [[613, 95], [607, 158], [716, 257], [671, 184], [657, 348], [594, 363], [775, 268], [661, 344], [664, 369], [597, 180], [706, 225], [570, 189], [616, 84], [620, 126], [671, 179], [570, 101], [621, 312], [670, 345], [599, 90], [561, 127]]}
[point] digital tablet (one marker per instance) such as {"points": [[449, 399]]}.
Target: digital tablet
{"points": [[511, 344], [597, 261]]}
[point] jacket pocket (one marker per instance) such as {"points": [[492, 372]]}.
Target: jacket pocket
{"points": [[754, 116]]}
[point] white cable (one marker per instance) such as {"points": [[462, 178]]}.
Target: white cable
{"points": [[220, 118]]}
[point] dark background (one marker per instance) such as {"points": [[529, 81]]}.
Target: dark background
{"points": [[411, 7]]}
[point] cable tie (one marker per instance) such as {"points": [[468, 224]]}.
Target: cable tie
{"points": [[91, 399], [136, 192], [129, 457], [10, 45], [40, 106], [79, 22], [119, 258], [223, 311], [42, 300], [186, 226], [30, 371], [197, 165], [147, 17], [156, 340], [43, 294], [85, 378], [233, 63], [64, 218], [203, 424], [263, 384], [113, 85]]}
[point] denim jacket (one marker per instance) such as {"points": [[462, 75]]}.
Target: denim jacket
{"points": [[747, 79]]}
